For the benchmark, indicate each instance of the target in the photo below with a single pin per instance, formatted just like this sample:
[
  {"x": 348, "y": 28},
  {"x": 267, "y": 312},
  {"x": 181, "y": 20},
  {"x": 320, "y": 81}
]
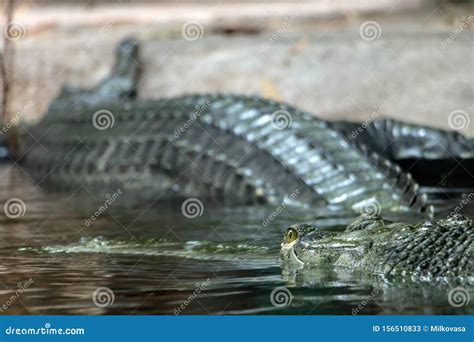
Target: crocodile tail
[{"x": 309, "y": 151}]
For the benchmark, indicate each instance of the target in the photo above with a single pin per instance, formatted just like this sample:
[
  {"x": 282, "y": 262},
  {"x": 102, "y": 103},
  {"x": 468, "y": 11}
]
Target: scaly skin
[{"x": 425, "y": 251}]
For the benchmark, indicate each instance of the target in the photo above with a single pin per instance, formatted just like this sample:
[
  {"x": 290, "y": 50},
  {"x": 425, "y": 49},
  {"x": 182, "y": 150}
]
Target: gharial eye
[{"x": 291, "y": 235}]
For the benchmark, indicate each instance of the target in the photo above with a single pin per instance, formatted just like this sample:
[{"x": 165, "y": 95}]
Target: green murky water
[{"x": 148, "y": 258}]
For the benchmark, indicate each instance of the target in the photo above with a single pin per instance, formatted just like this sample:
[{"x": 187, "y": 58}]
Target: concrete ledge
[{"x": 418, "y": 68}]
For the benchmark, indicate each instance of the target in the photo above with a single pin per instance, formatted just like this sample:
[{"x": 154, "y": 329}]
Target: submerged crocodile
[
  {"x": 426, "y": 251},
  {"x": 241, "y": 149}
]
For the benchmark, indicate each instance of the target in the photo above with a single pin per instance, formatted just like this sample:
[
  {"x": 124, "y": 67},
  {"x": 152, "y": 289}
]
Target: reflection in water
[{"x": 156, "y": 261}]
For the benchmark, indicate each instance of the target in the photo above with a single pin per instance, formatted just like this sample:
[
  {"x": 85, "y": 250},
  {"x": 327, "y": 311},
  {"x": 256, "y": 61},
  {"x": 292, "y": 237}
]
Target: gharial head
[{"x": 304, "y": 243}]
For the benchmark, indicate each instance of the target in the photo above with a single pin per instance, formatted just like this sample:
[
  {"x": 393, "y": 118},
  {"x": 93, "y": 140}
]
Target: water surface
[{"x": 148, "y": 258}]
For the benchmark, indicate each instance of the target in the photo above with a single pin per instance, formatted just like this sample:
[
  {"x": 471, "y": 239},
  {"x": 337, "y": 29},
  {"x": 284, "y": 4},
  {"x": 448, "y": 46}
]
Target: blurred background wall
[{"x": 340, "y": 59}]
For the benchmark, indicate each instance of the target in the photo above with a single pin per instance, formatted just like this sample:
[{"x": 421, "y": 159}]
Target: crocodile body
[
  {"x": 428, "y": 250},
  {"x": 234, "y": 148}
]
